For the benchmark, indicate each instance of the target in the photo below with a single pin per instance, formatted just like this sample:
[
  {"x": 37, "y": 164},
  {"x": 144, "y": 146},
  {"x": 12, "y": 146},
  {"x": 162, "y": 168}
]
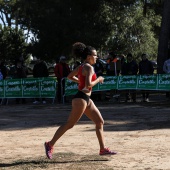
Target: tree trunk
[{"x": 164, "y": 37}]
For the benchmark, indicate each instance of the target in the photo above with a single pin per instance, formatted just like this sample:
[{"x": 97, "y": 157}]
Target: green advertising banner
[
  {"x": 13, "y": 88},
  {"x": 70, "y": 87},
  {"x": 48, "y": 87},
  {"x": 127, "y": 82},
  {"x": 148, "y": 82},
  {"x": 163, "y": 82},
  {"x": 2, "y": 88},
  {"x": 110, "y": 82},
  {"x": 31, "y": 87}
]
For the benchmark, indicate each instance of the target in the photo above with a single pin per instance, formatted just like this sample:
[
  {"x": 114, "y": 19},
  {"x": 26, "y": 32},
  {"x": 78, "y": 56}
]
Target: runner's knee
[
  {"x": 100, "y": 124},
  {"x": 69, "y": 125}
]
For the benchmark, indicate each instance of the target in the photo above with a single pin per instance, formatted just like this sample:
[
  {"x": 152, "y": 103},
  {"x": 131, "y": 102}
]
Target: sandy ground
[{"x": 140, "y": 133}]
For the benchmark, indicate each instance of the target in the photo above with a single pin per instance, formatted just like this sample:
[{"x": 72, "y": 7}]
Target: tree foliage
[
  {"x": 134, "y": 32},
  {"x": 12, "y": 44},
  {"x": 117, "y": 25}
]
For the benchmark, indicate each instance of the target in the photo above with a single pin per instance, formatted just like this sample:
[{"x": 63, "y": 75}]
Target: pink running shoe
[
  {"x": 48, "y": 150},
  {"x": 106, "y": 151}
]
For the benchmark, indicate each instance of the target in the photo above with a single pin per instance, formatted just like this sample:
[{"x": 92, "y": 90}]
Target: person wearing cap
[{"x": 61, "y": 71}]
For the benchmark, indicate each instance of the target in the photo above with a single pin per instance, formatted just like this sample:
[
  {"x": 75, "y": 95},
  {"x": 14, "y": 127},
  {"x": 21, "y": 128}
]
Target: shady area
[{"x": 139, "y": 132}]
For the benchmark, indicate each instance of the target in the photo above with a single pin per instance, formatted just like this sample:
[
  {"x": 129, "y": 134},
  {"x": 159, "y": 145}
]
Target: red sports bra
[{"x": 82, "y": 78}]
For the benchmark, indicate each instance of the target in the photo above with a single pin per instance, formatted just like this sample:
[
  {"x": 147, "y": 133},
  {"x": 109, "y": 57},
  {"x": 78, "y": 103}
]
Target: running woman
[{"x": 86, "y": 78}]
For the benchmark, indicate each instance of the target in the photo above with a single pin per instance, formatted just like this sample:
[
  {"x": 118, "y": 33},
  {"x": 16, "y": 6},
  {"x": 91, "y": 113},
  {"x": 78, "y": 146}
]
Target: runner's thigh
[
  {"x": 93, "y": 113},
  {"x": 78, "y": 108}
]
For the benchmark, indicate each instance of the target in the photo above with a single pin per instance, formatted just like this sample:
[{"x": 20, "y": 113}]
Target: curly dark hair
[
  {"x": 78, "y": 49},
  {"x": 87, "y": 51}
]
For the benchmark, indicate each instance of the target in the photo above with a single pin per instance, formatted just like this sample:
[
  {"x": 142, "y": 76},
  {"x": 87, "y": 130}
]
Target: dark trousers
[
  {"x": 145, "y": 94},
  {"x": 38, "y": 99},
  {"x": 18, "y": 100},
  {"x": 131, "y": 94},
  {"x": 60, "y": 89}
]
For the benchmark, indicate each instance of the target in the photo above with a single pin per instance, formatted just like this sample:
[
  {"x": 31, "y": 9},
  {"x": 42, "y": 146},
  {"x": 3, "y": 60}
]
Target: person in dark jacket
[
  {"x": 4, "y": 69},
  {"x": 130, "y": 68},
  {"x": 145, "y": 68},
  {"x": 61, "y": 71},
  {"x": 20, "y": 71},
  {"x": 40, "y": 70}
]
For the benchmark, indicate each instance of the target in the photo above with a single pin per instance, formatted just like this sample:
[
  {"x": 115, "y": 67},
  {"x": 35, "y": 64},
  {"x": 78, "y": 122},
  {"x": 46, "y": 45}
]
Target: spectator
[
  {"x": 166, "y": 69},
  {"x": 122, "y": 60},
  {"x": 130, "y": 68},
  {"x": 166, "y": 66},
  {"x": 113, "y": 65},
  {"x": 40, "y": 70},
  {"x": 20, "y": 71},
  {"x": 4, "y": 69},
  {"x": 98, "y": 68},
  {"x": 145, "y": 68},
  {"x": 61, "y": 71}
]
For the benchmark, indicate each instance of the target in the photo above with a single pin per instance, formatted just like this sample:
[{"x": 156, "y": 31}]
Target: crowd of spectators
[{"x": 116, "y": 65}]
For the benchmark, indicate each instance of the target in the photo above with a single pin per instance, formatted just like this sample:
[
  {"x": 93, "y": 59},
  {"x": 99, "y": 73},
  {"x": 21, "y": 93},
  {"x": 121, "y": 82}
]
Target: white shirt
[{"x": 166, "y": 66}]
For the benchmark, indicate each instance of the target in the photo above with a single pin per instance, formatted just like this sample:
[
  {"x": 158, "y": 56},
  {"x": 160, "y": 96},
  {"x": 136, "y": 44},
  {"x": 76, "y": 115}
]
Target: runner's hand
[{"x": 101, "y": 79}]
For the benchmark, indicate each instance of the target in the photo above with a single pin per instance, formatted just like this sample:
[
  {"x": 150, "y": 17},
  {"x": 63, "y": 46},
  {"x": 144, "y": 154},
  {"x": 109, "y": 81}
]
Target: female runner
[{"x": 81, "y": 103}]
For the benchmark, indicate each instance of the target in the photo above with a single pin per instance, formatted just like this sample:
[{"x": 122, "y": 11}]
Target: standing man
[
  {"x": 40, "y": 70},
  {"x": 145, "y": 68},
  {"x": 61, "y": 71},
  {"x": 130, "y": 68},
  {"x": 20, "y": 72}
]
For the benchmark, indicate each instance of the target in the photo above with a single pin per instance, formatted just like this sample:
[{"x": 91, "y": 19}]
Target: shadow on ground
[
  {"x": 130, "y": 116},
  {"x": 69, "y": 160}
]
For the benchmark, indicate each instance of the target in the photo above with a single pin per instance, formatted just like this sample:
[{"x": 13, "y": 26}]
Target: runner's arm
[{"x": 72, "y": 75}]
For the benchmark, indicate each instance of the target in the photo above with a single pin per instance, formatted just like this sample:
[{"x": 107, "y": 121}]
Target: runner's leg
[
  {"x": 78, "y": 108},
  {"x": 94, "y": 114}
]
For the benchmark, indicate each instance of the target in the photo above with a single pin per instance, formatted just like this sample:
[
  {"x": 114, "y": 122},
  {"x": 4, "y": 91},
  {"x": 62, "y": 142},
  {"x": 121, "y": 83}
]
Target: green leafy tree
[
  {"x": 134, "y": 32},
  {"x": 12, "y": 37},
  {"x": 12, "y": 44},
  {"x": 58, "y": 24}
]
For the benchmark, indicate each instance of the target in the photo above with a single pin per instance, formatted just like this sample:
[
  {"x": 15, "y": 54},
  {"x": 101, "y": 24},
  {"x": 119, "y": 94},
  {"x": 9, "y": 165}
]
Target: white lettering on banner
[
  {"x": 147, "y": 82},
  {"x": 127, "y": 82},
  {"x": 48, "y": 89},
  {"x": 110, "y": 82},
  {"x": 127, "y": 77},
  {"x": 34, "y": 88},
  {"x": 30, "y": 82},
  {"x": 146, "y": 77},
  {"x": 13, "y": 83},
  {"x": 16, "y": 88},
  {"x": 48, "y": 82},
  {"x": 71, "y": 87},
  {"x": 166, "y": 76},
  {"x": 164, "y": 82}
]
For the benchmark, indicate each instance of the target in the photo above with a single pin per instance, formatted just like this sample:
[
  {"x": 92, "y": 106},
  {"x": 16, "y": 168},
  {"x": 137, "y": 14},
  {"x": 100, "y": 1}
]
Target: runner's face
[{"x": 93, "y": 57}]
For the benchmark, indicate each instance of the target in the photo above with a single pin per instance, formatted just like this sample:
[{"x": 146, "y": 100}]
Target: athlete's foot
[
  {"x": 48, "y": 150},
  {"x": 106, "y": 151}
]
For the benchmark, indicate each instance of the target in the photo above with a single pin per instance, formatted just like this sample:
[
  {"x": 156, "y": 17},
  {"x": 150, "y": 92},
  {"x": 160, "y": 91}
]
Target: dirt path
[{"x": 139, "y": 133}]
